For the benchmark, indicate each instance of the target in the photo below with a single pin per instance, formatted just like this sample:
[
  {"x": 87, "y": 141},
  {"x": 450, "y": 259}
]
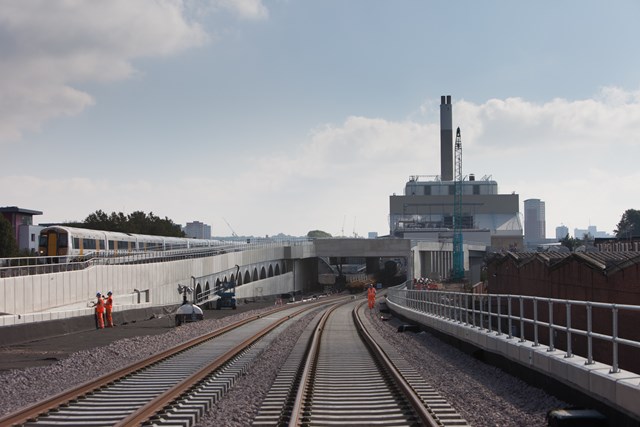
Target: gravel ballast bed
[{"x": 482, "y": 394}]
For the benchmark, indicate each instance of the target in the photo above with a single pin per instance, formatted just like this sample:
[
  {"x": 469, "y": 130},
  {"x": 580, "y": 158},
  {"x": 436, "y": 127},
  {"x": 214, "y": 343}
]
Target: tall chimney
[{"x": 446, "y": 139}]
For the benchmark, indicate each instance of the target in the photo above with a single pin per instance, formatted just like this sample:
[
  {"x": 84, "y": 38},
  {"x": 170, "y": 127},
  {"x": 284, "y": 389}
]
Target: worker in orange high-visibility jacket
[
  {"x": 108, "y": 305},
  {"x": 371, "y": 296},
  {"x": 99, "y": 311}
]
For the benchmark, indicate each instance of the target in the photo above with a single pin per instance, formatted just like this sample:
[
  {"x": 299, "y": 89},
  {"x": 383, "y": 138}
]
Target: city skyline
[{"x": 287, "y": 116}]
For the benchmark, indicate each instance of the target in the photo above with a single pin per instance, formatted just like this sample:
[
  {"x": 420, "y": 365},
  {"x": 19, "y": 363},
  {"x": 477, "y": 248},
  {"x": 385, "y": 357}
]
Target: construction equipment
[
  {"x": 458, "y": 249},
  {"x": 188, "y": 311},
  {"x": 227, "y": 293},
  {"x": 233, "y": 233}
]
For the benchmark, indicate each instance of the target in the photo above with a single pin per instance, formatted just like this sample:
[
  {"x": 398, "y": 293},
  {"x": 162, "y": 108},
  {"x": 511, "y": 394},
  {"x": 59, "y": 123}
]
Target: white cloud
[
  {"x": 345, "y": 172},
  {"x": 611, "y": 117},
  {"x": 246, "y": 9},
  {"x": 577, "y": 155},
  {"x": 48, "y": 47}
]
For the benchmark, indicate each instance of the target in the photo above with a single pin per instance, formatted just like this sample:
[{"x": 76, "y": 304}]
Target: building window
[
  {"x": 476, "y": 189},
  {"x": 33, "y": 237},
  {"x": 427, "y": 190}
]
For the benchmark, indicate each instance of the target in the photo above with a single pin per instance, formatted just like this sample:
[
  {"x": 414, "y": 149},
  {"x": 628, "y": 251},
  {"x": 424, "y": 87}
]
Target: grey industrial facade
[
  {"x": 489, "y": 219},
  {"x": 425, "y": 211}
]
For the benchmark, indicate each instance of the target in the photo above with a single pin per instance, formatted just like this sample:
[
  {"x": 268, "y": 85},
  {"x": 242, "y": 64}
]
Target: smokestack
[{"x": 446, "y": 139}]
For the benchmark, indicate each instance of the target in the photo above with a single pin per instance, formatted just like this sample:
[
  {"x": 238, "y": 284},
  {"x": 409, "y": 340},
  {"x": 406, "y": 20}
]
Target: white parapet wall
[
  {"x": 620, "y": 390},
  {"x": 50, "y": 296}
]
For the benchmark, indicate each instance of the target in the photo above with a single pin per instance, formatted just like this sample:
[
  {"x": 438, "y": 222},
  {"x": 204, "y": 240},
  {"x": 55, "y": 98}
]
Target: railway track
[
  {"x": 341, "y": 372},
  {"x": 175, "y": 387}
]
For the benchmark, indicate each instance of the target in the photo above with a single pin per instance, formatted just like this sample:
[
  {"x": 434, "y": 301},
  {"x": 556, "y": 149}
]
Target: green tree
[
  {"x": 570, "y": 242},
  {"x": 318, "y": 234},
  {"x": 136, "y": 222},
  {"x": 98, "y": 220},
  {"x": 629, "y": 225},
  {"x": 8, "y": 245}
]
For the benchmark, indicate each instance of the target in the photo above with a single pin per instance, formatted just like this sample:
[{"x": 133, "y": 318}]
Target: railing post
[
  {"x": 489, "y": 311},
  {"x": 551, "y": 347},
  {"x": 499, "y": 317},
  {"x": 521, "y": 319},
  {"x": 568, "y": 329},
  {"x": 432, "y": 307},
  {"x": 589, "y": 336},
  {"x": 466, "y": 308},
  {"x": 536, "y": 343},
  {"x": 473, "y": 310},
  {"x": 614, "y": 337},
  {"x": 509, "y": 317}
]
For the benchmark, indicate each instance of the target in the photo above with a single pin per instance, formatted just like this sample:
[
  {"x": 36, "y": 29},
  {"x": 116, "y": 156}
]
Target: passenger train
[{"x": 72, "y": 242}]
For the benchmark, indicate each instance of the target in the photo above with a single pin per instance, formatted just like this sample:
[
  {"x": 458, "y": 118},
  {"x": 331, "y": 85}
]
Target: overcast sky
[{"x": 294, "y": 115}]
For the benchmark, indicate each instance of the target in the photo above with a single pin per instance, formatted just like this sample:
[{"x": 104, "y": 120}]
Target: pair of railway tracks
[
  {"x": 348, "y": 375},
  {"x": 175, "y": 386},
  {"x": 339, "y": 372}
]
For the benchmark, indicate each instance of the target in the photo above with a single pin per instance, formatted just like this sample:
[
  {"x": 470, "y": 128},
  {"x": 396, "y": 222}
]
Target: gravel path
[{"x": 484, "y": 395}]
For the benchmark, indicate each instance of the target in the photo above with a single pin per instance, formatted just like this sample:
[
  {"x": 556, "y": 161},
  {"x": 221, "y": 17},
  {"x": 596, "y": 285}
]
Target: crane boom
[
  {"x": 458, "y": 249},
  {"x": 233, "y": 233}
]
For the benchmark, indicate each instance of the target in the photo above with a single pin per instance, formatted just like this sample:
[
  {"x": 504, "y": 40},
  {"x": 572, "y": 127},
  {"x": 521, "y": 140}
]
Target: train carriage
[
  {"x": 121, "y": 243},
  {"x": 59, "y": 241},
  {"x": 70, "y": 242}
]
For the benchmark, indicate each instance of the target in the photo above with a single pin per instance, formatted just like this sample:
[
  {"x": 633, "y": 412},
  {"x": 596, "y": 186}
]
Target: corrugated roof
[{"x": 607, "y": 262}]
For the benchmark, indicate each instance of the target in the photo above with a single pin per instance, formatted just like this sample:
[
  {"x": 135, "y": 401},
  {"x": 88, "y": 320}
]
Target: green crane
[{"x": 458, "y": 250}]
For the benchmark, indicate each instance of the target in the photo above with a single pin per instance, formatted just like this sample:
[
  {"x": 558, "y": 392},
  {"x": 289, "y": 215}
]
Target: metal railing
[{"x": 592, "y": 330}]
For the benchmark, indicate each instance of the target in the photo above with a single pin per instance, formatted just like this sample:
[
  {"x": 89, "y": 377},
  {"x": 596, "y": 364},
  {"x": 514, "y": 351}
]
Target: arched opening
[
  {"x": 263, "y": 273},
  {"x": 277, "y": 272},
  {"x": 233, "y": 279},
  {"x": 206, "y": 289},
  {"x": 270, "y": 273},
  {"x": 255, "y": 274},
  {"x": 198, "y": 292},
  {"x": 239, "y": 279},
  {"x": 217, "y": 284},
  {"x": 247, "y": 277}
]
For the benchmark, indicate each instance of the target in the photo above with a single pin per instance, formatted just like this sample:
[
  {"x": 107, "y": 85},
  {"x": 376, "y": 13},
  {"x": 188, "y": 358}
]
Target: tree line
[{"x": 136, "y": 222}]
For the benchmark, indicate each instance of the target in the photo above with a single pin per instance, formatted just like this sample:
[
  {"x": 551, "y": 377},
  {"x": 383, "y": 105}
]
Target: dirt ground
[{"x": 48, "y": 350}]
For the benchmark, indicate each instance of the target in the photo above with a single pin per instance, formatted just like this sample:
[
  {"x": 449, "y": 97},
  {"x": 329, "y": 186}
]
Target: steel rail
[
  {"x": 296, "y": 411},
  {"x": 144, "y": 413},
  {"x": 31, "y": 412},
  {"x": 425, "y": 415},
  {"x": 298, "y": 416}
]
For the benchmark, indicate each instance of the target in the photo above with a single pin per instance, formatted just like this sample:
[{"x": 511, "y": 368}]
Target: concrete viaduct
[{"x": 31, "y": 294}]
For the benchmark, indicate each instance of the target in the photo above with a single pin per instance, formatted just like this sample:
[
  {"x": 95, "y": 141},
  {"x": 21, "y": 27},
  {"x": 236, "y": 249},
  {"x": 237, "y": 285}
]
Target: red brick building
[{"x": 607, "y": 277}]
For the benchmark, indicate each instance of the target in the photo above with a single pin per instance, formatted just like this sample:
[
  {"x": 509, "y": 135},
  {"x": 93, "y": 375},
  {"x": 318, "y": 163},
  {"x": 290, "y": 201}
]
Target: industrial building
[
  {"x": 197, "y": 230},
  {"x": 427, "y": 209},
  {"x": 534, "y": 221},
  {"x": 25, "y": 233}
]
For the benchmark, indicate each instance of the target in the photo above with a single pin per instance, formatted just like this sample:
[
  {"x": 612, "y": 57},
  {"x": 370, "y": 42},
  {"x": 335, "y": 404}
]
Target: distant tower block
[{"x": 446, "y": 139}]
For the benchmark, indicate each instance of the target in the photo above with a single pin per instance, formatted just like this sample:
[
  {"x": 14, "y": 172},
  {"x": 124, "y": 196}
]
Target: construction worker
[
  {"x": 109, "y": 308},
  {"x": 371, "y": 296},
  {"x": 99, "y": 313}
]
